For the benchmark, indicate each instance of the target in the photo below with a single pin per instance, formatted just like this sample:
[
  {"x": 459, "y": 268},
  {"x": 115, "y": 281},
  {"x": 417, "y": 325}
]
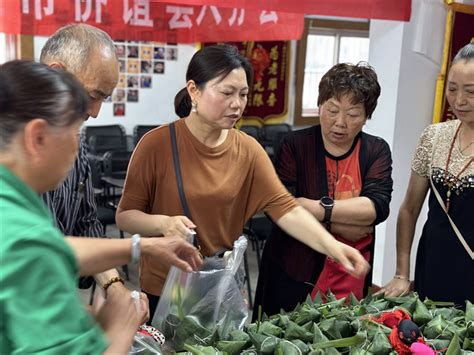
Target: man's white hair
[{"x": 73, "y": 45}]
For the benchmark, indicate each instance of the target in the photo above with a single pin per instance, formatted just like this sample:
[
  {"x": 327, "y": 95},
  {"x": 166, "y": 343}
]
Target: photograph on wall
[
  {"x": 119, "y": 95},
  {"x": 132, "y": 81},
  {"x": 133, "y": 66},
  {"x": 132, "y": 51},
  {"x": 171, "y": 53},
  {"x": 159, "y": 53},
  {"x": 146, "y": 67},
  {"x": 159, "y": 67},
  {"x": 145, "y": 81},
  {"x": 122, "y": 82},
  {"x": 146, "y": 52},
  {"x": 120, "y": 50},
  {"x": 119, "y": 109},
  {"x": 132, "y": 96},
  {"x": 122, "y": 65}
]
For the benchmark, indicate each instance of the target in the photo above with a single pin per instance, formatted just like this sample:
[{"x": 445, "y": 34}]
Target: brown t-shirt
[{"x": 224, "y": 186}]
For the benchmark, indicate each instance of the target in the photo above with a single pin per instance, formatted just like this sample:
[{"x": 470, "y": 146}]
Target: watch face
[{"x": 327, "y": 201}]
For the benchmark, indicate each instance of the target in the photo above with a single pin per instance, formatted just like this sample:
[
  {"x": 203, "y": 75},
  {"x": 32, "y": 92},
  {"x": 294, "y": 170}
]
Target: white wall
[
  {"x": 407, "y": 59},
  {"x": 155, "y": 105}
]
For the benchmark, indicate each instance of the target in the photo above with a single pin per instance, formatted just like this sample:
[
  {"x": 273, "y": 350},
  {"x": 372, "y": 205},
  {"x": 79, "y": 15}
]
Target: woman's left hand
[{"x": 351, "y": 259}]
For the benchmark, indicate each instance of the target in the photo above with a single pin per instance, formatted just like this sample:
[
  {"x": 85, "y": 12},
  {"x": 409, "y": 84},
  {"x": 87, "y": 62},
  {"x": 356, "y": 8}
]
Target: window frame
[{"x": 320, "y": 26}]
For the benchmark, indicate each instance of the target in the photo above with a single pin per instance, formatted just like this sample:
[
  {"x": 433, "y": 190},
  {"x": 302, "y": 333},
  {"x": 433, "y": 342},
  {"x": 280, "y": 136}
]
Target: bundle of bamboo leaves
[{"x": 337, "y": 326}]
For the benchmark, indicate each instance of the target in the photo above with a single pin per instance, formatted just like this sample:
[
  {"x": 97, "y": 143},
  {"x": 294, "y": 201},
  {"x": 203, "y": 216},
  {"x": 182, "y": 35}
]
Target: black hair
[
  {"x": 30, "y": 90},
  {"x": 359, "y": 80},
  {"x": 207, "y": 64}
]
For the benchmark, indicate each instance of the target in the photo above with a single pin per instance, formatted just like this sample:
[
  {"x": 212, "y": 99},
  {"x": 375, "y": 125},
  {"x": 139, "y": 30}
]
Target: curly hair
[{"x": 359, "y": 81}]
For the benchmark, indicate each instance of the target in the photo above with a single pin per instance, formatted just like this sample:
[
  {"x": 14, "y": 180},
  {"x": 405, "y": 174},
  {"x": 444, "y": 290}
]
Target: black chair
[
  {"x": 140, "y": 130},
  {"x": 101, "y": 144},
  {"x": 116, "y": 163},
  {"x": 253, "y": 131},
  {"x": 272, "y": 135},
  {"x": 108, "y": 130}
]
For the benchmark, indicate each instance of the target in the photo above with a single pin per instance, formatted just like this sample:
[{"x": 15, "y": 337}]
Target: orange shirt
[{"x": 224, "y": 186}]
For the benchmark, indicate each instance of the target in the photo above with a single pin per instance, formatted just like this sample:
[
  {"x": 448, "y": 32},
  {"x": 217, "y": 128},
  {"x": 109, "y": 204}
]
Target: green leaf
[
  {"x": 380, "y": 344},
  {"x": 454, "y": 348},
  {"x": 341, "y": 343},
  {"x": 264, "y": 343},
  {"x": 330, "y": 297},
  {"x": 286, "y": 347},
  {"x": 318, "y": 300},
  {"x": 421, "y": 315},
  {"x": 438, "y": 344},
  {"x": 327, "y": 351},
  {"x": 353, "y": 300},
  {"x": 329, "y": 327},
  {"x": 307, "y": 314},
  {"x": 202, "y": 350},
  {"x": 468, "y": 344},
  {"x": 231, "y": 347},
  {"x": 301, "y": 345},
  {"x": 294, "y": 331},
  {"x": 239, "y": 335},
  {"x": 469, "y": 312},
  {"x": 438, "y": 328},
  {"x": 268, "y": 328},
  {"x": 318, "y": 335}
]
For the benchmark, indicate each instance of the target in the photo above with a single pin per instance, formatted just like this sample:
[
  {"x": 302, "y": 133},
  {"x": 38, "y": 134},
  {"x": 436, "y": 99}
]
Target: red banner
[
  {"x": 145, "y": 20},
  {"x": 372, "y": 9},
  {"x": 268, "y": 98}
]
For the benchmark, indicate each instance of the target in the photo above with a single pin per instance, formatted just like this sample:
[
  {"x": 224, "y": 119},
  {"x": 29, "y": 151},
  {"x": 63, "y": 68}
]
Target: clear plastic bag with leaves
[{"x": 201, "y": 307}]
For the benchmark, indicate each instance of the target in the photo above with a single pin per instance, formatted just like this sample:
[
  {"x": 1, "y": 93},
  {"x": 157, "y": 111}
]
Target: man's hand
[
  {"x": 172, "y": 251},
  {"x": 177, "y": 226}
]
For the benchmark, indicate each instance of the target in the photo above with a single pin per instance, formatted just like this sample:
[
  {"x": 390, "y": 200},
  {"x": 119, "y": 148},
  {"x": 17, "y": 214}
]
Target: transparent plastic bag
[
  {"x": 197, "y": 307},
  {"x": 147, "y": 341}
]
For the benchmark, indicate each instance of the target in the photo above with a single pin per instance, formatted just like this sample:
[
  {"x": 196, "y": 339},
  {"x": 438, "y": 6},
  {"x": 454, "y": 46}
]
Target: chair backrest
[
  {"x": 253, "y": 131},
  {"x": 272, "y": 130},
  {"x": 100, "y": 144},
  {"x": 116, "y": 163},
  {"x": 108, "y": 130},
  {"x": 140, "y": 130}
]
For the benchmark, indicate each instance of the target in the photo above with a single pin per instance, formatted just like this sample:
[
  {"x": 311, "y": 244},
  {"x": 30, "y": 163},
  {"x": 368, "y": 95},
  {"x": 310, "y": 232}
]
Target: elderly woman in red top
[{"x": 343, "y": 177}]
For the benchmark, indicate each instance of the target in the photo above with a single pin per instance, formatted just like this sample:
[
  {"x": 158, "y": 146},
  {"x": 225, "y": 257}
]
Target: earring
[{"x": 194, "y": 106}]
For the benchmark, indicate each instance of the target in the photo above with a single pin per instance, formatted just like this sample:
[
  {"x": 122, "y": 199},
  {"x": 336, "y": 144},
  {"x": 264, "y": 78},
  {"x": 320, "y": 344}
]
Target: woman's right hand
[
  {"x": 120, "y": 318},
  {"x": 177, "y": 226},
  {"x": 350, "y": 258},
  {"x": 396, "y": 287}
]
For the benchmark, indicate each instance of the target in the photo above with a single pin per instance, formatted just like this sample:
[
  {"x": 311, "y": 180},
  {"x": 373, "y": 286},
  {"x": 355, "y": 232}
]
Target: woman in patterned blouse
[{"x": 444, "y": 164}]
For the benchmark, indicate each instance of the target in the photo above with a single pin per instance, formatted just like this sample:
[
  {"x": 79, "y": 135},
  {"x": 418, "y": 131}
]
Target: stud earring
[{"x": 194, "y": 106}]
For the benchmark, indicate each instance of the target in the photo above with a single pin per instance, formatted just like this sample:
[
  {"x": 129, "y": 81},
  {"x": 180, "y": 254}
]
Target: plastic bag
[
  {"x": 147, "y": 341},
  {"x": 197, "y": 307}
]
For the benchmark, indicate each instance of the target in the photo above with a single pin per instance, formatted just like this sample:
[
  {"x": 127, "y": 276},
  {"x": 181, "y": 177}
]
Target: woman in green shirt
[{"x": 41, "y": 111}]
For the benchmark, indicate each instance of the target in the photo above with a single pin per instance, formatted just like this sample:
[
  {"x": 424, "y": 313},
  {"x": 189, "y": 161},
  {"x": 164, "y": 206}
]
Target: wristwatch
[{"x": 327, "y": 203}]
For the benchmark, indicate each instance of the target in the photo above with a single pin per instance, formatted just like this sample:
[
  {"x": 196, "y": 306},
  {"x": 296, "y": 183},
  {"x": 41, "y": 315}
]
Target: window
[{"x": 325, "y": 43}]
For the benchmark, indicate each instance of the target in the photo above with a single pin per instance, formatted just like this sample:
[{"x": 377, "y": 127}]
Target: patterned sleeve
[{"x": 422, "y": 158}]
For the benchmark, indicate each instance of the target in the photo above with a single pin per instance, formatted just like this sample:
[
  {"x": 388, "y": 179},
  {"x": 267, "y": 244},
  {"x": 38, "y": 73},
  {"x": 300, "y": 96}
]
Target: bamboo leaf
[
  {"x": 357, "y": 339},
  {"x": 454, "y": 348},
  {"x": 421, "y": 315}
]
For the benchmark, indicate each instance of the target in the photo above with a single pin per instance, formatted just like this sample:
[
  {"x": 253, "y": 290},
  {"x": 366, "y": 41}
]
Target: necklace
[{"x": 452, "y": 181}]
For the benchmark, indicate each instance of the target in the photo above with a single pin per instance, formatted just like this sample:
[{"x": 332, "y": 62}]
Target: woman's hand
[
  {"x": 120, "y": 318},
  {"x": 396, "y": 287},
  {"x": 351, "y": 259},
  {"x": 172, "y": 251},
  {"x": 177, "y": 226}
]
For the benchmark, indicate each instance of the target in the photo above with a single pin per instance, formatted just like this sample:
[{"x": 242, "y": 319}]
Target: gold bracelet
[
  {"x": 113, "y": 280},
  {"x": 401, "y": 277}
]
